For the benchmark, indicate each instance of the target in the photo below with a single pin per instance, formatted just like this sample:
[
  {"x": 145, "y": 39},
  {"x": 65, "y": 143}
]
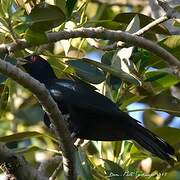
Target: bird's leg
[
  {"x": 66, "y": 117},
  {"x": 52, "y": 128},
  {"x": 76, "y": 141}
]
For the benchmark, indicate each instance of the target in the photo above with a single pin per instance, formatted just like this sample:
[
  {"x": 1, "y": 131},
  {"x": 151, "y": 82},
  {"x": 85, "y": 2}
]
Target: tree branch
[
  {"x": 50, "y": 164},
  {"x": 16, "y": 167},
  {"x": 122, "y": 3},
  {"x": 52, "y": 110},
  {"x": 100, "y": 33},
  {"x": 138, "y": 33}
]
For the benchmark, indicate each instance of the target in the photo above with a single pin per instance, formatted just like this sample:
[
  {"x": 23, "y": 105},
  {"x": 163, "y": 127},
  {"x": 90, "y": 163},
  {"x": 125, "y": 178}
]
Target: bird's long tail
[{"x": 152, "y": 143}]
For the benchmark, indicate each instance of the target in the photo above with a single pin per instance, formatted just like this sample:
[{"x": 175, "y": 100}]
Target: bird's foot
[
  {"x": 52, "y": 127},
  {"x": 66, "y": 117},
  {"x": 76, "y": 141}
]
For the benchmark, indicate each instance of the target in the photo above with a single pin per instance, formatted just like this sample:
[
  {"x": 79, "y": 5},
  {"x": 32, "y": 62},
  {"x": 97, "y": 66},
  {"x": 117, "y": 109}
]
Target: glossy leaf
[
  {"x": 161, "y": 80},
  {"x": 36, "y": 115},
  {"x": 45, "y": 18},
  {"x": 168, "y": 133},
  {"x": 129, "y": 98},
  {"x": 82, "y": 166},
  {"x": 171, "y": 44},
  {"x": 70, "y": 6},
  {"x": 113, "y": 59},
  {"x": 134, "y": 25},
  {"x": 5, "y": 7},
  {"x": 144, "y": 20},
  {"x": 107, "y": 57},
  {"x": 24, "y": 135},
  {"x": 118, "y": 73},
  {"x": 58, "y": 66},
  {"x": 4, "y": 99},
  {"x": 164, "y": 102},
  {"x": 87, "y": 71},
  {"x": 35, "y": 37},
  {"x": 61, "y": 4}
]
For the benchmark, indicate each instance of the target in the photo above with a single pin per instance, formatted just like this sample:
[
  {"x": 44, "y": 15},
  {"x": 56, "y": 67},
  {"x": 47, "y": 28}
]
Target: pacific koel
[{"x": 91, "y": 115}]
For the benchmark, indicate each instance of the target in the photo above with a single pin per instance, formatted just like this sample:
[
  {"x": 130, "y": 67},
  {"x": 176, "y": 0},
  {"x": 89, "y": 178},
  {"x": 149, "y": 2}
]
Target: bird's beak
[{"x": 21, "y": 62}]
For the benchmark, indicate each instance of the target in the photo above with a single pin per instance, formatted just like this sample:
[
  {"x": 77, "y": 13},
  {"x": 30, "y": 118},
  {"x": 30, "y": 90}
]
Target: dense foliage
[{"x": 126, "y": 75}]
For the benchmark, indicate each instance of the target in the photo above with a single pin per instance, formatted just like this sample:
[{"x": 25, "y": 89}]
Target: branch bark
[
  {"x": 52, "y": 110},
  {"x": 50, "y": 164},
  {"x": 16, "y": 167},
  {"x": 100, "y": 33}
]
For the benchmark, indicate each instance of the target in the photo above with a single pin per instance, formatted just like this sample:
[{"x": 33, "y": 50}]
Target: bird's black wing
[{"x": 75, "y": 94}]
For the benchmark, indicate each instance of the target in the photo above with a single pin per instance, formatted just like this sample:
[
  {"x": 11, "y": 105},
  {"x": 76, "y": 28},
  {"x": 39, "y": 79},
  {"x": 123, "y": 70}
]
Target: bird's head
[{"x": 37, "y": 67}]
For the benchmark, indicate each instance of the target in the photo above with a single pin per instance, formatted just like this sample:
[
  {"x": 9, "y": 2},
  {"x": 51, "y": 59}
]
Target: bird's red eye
[{"x": 33, "y": 59}]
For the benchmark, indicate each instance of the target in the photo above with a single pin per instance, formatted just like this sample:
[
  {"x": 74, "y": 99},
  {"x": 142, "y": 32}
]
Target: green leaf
[
  {"x": 82, "y": 166},
  {"x": 87, "y": 71},
  {"x": 161, "y": 80},
  {"x": 20, "y": 28},
  {"x": 106, "y": 65},
  {"x": 129, "y": 98},
  {"x": 70, "y": 6},
  {"x": 61, "y": 4},
  {"x": 35, "y": 37},
  {"x": 19, "y": 136},
  {"x": 57, "y": 65},
  {"x": 4, "y": 99},
  {"x": 116, "y": 148},
  {"x": 118, "y": 73},
  {"x": 107, "y": 57},
  {"x": 36, "y": 114},
  {"x": 28, "y": 149},
  {"x": 164, "y": 102},
  {"x": 45, "y": 18},
  {"x": 8, "y": 59},
  {"x": 5, "y": 7},
  {"x": 144, "y": 20},
  {"x": 134, "y": 25},
  {"x": 169, "y": 134},
  {"x": 24, "y": 135},
  {"x": 171, "y": 44}
]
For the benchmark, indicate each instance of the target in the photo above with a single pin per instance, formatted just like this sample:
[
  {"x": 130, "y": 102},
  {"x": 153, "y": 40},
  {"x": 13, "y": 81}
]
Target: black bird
[{"x": 91, "y": 115}]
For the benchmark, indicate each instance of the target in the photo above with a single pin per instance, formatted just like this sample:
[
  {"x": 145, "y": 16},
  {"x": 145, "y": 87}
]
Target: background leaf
[
  {"x": 45, "y": 18},
  {"x": 70, "y": 6},
  {"x": 87, "y": 71}
]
